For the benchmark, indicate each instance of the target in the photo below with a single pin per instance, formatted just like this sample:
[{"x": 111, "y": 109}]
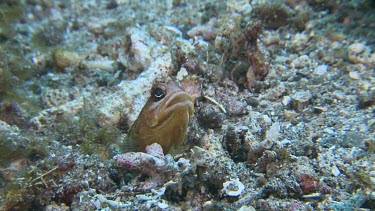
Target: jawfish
[{"x": 164, "y": 118}]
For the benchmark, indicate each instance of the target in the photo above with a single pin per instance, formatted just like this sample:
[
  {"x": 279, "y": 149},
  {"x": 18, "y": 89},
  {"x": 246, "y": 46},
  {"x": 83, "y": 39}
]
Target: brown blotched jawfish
[{"x": 164, "y": 118}]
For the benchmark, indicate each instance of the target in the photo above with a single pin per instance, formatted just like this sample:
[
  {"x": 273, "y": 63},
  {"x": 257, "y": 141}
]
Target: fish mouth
[{"x": 175, "y": 101}]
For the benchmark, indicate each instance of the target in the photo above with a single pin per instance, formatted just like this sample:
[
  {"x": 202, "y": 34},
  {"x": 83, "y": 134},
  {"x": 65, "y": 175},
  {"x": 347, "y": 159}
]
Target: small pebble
[
  {"x": 321, "y": 70},
  {"x": 286, "y": 100},
  {"x": 236, "y": 107},
  {"x": 301, "y": 100},
  {"x": 335, "y": 171},
  {"x": 355, "y": 75},
  {"x": 289, "y": 115},
  {"x": 181, "y": 74},
  {"x": 252, "y": 102},
  {"x": 319, "y": 110},
  {"x": 301, "y": 62},
  {"x": 366, "y": 100},
  {"x": 209, "y": 118},
  {"x": 329, "y": 131},
  {"x": 162, "y": 205},
  {"x": 357, "y": 48}
]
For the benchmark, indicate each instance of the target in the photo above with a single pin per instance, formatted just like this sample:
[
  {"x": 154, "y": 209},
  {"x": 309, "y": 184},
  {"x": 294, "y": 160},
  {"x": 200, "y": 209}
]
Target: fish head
[{"x": 165, "y": 116}]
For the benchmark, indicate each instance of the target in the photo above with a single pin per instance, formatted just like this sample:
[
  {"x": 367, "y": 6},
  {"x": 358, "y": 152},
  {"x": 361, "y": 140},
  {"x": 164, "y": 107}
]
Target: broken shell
[
  {"x": 319, "y": 110},
  {"x": 335, "y": 171},
  {"x": 233, "y": 188},
  {"x": 312, "y": 196},
  {"x": 290, "y": 114}
]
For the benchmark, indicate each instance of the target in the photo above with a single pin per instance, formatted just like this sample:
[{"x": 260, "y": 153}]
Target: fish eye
[{"x": 159, "y": 92}]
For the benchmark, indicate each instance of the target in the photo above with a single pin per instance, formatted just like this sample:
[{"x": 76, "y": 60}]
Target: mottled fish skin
[{"x": 164, "y": 118}]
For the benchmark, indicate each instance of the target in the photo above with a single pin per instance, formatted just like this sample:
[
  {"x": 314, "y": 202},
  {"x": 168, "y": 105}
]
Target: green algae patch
[{"x": 10, "y": 11}]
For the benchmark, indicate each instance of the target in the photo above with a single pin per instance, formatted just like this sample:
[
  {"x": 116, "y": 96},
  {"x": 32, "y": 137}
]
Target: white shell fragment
[
  {"x": 335, "y": 171},
  {"x": 355, "y": 75},
  {"x": 312, "y": 196},
  {"x": 181, "y": 74},
  {"x": 162, "y": 205},
  {"x": 233, "y": 188},
  {"x": 321, "y": 69},
  {"x": 274, "y": 132}
]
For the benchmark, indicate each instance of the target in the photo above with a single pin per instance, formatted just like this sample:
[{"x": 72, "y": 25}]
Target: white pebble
[
  {"x": 181, "y": 74},
  {"x": 321, "y": 69},
  {"x": 335, "y": 171},
  {"x": 286, "y": 100},
  {"x": 162, "y": 205},
  {"x": 355, "y": 75},
  {"x": 357, "y": 48},
  {"x": 329, "y": 131},
  {"x": 274, "y": 132}
]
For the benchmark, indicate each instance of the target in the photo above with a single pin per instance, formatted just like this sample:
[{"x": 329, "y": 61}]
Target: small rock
[
  {"x": 276, "y": 91},
  {"x": 355, "y": 75},
  {"x": 321, "y": 70},
  {"x": 335, "y": 171},
  {"x": 236, "y": 107},
  {"x": 63, "y": 58},
  {"x": 366, "y": 100},
  {"x": 299, "y": 42},
  {"x": 162, "y": 205},
  {"x": 286, "y": 100},
  {"x": 234, "y": 145},
  {"x": 353, "y": 139},
  {"x": 5, "y": 126},
  {"x": 301, "y": 62},
  {"x": 319, "y": 110},
  {"x": 106, "y": 65},
  {"x": 274, "y": 132},
  {"x": 181, "y": 74},
  {"x": 360, "y": 53},
  {"x": 192, "y": 85},
  {"x": 329, "y": 131},
  {"x": 271, "y": 40},
  {"x": 252, "y": 102},
  {"x": 210, "y": 118},
  {"x": 289, "y": 115},
  {"x": 357, "y": 48},
  {"x": 340, "y": 95},
  {"x": 301, "y": 99}
]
